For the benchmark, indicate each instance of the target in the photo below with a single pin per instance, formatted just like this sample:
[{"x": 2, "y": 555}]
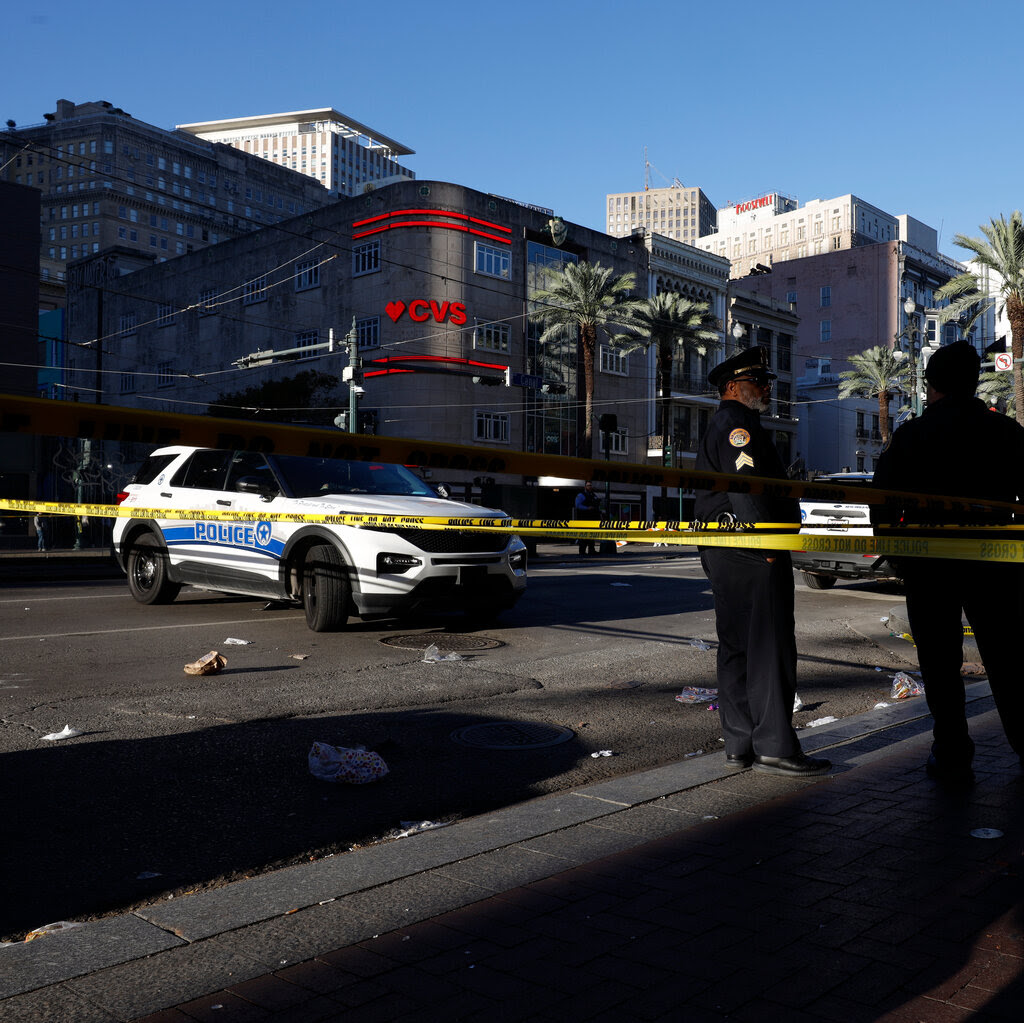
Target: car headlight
[
  {"x": 517, "y": 559},
  {"x": 396, "y": 564}
]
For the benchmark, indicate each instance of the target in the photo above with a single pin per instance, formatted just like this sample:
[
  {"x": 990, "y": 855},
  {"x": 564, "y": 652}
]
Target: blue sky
[{"x": 909, "y": 105}]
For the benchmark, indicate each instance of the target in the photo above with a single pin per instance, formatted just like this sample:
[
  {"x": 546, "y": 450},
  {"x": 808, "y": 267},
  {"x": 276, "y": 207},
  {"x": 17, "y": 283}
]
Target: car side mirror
[{"x": 255, "y": 485}]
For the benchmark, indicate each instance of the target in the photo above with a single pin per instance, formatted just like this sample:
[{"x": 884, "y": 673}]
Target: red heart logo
[{"x": 394, "y": 310}]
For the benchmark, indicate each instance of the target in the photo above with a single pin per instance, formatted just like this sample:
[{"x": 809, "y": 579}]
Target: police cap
[
  {"x": 954, "y": 369},
  {"x": 750, "y": 362}
]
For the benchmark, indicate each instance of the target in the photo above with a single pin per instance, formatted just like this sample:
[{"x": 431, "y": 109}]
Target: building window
[
  {"x": 307, "y": 339},
  {"x": 618, "y": 440},
  {"x": 826, "y": 296},
  {"x": 614, "y": 360},
  {"x": 207, "y": 302},
  {"x": 164, "y": 314},
  {"x": 366, "y": 258},
  {"x": 165, "y": 374},
  {"x": 492, "y": 426},
  {"x": 493, "y": 261},
  {"x": 368, "y": 332},
  {"x": 127, "y": 383},
  {"x": 492, "y": 337},
  {"x": 825, "y": 331},
  {"x": 254, "y": 290},
  {"x": 128, "y": 323},
  {"x": 307, "y": 275}
]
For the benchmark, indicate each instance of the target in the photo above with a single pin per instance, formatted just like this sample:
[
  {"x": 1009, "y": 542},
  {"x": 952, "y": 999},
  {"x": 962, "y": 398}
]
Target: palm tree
[
  {"x": 580, "y": 299},
  {"x": 1002, "y": 252},
  {"x": 997, "y": 388},
  {"x": 671, "y": 323},
  {"x": 876, "y": 372}
]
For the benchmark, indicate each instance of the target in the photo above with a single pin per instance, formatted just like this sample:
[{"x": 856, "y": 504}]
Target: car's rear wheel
[
  {"x": 325, "y": 589},
  {"x": 149, "y": 581},
  {"x": 819, "y": 582}
]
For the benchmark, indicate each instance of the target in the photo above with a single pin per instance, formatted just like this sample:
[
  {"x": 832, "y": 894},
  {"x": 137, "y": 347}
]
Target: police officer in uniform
[{"x": 753, "y": 590}]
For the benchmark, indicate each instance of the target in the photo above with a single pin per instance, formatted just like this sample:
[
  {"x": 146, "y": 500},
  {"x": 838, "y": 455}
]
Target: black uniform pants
[
  {"x": 756, "y": 649},
  {"x": 938, "y": 592}
]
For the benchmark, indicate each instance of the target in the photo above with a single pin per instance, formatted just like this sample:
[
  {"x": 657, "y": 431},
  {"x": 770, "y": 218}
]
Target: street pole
[{"x": 353, "y": 374}]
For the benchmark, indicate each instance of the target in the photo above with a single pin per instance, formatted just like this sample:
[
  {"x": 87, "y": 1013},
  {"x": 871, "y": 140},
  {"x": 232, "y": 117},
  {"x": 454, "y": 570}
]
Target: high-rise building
[
  {"x": 108, "y": 179},
  {"x": 682, "y": 212},
  {"x": 332, "y": 148},
  {"x": 774, "y": 228}
]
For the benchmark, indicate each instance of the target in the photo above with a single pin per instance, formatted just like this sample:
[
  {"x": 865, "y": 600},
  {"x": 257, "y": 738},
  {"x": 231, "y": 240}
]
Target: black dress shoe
[
  {"x": 800, "y": 765},
  {"x": 738, "y": 761}
]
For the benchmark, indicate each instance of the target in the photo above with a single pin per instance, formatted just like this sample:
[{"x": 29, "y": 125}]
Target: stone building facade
[{"x": 437, "y": 279}]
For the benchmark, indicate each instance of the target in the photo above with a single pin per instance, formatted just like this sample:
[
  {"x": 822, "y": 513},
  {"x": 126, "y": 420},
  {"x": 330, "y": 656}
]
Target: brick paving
[{"x": 863, "y": 897}]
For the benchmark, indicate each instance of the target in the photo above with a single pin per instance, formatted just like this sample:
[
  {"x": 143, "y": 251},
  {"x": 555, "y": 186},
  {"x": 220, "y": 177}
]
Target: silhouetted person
[{"x": 959, "y": 448}]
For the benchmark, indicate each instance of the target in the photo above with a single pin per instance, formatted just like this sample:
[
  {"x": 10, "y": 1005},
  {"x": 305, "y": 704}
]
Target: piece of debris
[
  {"x": 60, "y": 925},
  {"x": 700, "y": 644},
  {"x": 341, "y": 764},
  {"x": 903, "y": 686},
  {"x": 231, "y": 641},
  {"x": 407, "y": 828},
  {"x": 694, "y": 694},
  {"x": 821, "y": 721},
  {"x": 798, "y": 704},
  {"x": 67, "y": 732},
  {"x": 299, "y": 657},
  {"x": 208, "y": 664},
  {"x": 602, "y": 753},
  {"x": 432, "y": 654}
]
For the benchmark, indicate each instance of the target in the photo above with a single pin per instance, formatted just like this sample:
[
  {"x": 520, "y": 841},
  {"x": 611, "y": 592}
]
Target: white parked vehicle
[
  {"x": 824, "y": 518},
  {"x": 334, "y": 570}
]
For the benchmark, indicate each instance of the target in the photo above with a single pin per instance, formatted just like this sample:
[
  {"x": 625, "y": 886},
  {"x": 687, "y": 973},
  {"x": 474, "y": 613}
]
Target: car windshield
[{"x": 318, "y": 477}]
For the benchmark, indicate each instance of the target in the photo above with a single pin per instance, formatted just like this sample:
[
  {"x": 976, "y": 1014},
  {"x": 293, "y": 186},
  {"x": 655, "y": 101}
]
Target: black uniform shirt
[
  {"x": 736, "y": 442},
  {"x": 958, "y": 448}
]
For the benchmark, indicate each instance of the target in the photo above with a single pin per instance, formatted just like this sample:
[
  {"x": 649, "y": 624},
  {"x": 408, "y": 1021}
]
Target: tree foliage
[
  {"x": 671, "y": 324},
  {"x": 1000, "y": 251},
  {"x": 579, "y": 301},
  {"x": 877, "y": 373}
]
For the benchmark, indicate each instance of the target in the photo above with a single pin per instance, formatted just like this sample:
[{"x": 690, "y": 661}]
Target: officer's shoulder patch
[{"x": 739, "y": 438}]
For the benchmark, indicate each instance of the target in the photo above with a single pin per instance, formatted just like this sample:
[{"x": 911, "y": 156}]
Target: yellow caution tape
[
  {"x": 992, "y": 543},
  {"x": 120, "y": 424}
]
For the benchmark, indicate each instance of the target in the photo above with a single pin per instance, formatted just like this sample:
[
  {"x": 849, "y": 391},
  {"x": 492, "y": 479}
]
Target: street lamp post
[{"x": 911, "y": 335}]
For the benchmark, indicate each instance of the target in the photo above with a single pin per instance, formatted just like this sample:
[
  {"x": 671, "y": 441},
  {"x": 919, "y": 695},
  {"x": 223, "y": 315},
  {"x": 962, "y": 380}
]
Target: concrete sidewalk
[{"x": 682, "y": 893}]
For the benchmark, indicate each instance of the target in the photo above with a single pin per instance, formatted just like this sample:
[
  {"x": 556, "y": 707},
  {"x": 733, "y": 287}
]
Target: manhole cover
[
  {"x": 511, "y": 735},
  {"x": 446, "y": 642}
]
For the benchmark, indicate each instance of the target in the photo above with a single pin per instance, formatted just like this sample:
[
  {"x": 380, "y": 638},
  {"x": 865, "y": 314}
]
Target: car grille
[{"x": 449, "y": 541}]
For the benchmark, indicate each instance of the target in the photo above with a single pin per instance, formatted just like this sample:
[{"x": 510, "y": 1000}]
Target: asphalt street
[{"x": 179, "y": 783}]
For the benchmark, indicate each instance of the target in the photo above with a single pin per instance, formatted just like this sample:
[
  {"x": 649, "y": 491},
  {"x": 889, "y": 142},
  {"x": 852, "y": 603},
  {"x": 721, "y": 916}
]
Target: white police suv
[{"x": 334, "y": 570}]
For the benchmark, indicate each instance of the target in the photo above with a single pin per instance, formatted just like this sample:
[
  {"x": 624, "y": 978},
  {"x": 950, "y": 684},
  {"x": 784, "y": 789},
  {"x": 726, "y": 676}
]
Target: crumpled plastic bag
[
  {"x": 340, "y": 764},
  {"x": 904, "y": 686},
  {"x": 208, "y": 664},
  {"x": 694, "y": 694},
  {"x": 432, "y": 654},
  {"x": 67, "y": 732}
]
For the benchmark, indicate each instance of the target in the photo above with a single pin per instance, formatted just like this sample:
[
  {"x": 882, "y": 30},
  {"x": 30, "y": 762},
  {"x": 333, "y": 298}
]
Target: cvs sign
[{"x": 420, "y": 310}]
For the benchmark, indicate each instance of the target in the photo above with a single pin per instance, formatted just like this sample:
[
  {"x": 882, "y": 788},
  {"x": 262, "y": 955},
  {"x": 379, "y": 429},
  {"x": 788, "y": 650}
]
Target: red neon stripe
[
  {"x": 436, "y": 213},
  {"x": 436, "y": 358},
  {"x": 431, "y": 223},
  {"x": 487, "y": 223},
  {"x": 386, "y": 372}
]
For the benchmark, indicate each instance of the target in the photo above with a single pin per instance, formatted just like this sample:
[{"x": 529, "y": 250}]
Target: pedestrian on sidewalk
[
  {"x": 959, "y": 448},
  {"x": 40, "y": 525},
  {"x": 753, "y": 591},
  {"x": 587, "y": 506}
]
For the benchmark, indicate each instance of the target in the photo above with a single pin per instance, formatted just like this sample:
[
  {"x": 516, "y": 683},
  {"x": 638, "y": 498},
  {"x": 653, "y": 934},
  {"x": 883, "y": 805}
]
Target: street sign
[
  {"x": 1004, "y": 361},
  {"x": 527, "y": 380}
]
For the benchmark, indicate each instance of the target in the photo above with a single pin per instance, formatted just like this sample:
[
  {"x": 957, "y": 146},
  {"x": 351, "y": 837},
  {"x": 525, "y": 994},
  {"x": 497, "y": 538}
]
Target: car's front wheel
[
  {"x": 325, "y": 589},
  {"x": 819, "y": 582},
  {"x": 149, "y": 581}
]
